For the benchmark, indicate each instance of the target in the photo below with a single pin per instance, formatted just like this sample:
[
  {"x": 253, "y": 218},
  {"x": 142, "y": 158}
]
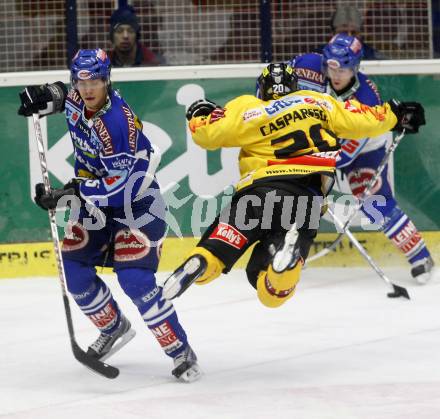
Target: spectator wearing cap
[
  {"x": 348, "y": 19},
  {"x": 124, "y": 35}
]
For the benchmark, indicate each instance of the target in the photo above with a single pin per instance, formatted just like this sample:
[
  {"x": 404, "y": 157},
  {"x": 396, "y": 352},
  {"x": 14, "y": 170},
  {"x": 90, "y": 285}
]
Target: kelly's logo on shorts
[{"x": 229, "y": 235}]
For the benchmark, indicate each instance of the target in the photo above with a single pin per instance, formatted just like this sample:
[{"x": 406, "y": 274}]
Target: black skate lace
[
  {"x": 186, "y": 356},
  {"x": 100, "y": 343}
]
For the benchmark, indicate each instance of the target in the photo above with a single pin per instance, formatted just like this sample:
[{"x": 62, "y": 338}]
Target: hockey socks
[
  {"x": 97, "y": 303},
  {"x": 277, "y": 285},
  {"x": 274, "y": 289},
  {"x": 201, "y": 267},
  {"x": 405, "y": 236}
]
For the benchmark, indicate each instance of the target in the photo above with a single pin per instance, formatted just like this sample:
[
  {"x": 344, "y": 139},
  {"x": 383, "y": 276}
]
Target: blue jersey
[
  {"x": 308, "y": 67},
  {"x": 110, "y": 150}
]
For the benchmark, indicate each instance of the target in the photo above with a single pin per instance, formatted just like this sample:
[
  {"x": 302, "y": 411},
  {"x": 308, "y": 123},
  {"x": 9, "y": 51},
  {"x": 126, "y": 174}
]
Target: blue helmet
[
  {"x": 89, "y": 64},
  {"x": 343, "y": 51}
]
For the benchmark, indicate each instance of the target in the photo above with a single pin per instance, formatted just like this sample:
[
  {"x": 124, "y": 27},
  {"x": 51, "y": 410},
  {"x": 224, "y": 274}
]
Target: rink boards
[
  {"x": 196, "y": 192},
  {"x": 37, "y": 259}
]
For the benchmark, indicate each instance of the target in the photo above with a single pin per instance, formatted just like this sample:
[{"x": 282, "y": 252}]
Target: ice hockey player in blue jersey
[
  {"x": 123, "y": 224},
  {"x": 336, "y": 72}
]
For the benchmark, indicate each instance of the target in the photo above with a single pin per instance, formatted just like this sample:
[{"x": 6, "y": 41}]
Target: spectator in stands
[
  {"x": 124, "y": 35},
  {"x": 348, "y": 19}
]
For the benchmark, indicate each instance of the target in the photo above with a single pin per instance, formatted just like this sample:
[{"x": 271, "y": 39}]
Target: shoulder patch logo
[{"x": 252, "y": 114}]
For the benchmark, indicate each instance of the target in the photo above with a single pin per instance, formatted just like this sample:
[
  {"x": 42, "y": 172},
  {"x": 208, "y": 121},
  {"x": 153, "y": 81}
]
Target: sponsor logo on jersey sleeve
[
  {"x": 216, "y": 114},
  {"x": 377, "y": 112},
  {"x": 72, "y": 114},
  {"x": 252, "y": 114}
]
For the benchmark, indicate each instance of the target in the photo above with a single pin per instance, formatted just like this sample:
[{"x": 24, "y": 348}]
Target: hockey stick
[
  {"x": 361, "y": 199},
  {"x": 398, "y": 291},
  {"x": 92, "y": 363}
]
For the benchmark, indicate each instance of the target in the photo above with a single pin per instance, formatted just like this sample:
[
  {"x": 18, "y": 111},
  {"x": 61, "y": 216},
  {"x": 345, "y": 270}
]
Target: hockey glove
[
  {"x": 201, "y": 107},
  {"x": 49, "y": 201},
  {"x": 44, "y": 100},
  {"x": 410, "y": 115}
]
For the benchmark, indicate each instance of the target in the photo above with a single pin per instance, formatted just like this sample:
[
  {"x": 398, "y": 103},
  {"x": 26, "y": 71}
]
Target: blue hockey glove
[
  {"x": 410, "y": 115},
  {"x": 201, "y": 107},
  {"x": 44, "y": 100},
  {"x": 49, "y": 201}
]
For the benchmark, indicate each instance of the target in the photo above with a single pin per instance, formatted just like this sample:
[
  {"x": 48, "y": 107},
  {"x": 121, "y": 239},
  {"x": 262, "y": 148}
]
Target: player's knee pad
[
  {"x": 274, "y": 289},
  {"x": 140, "y": 285},
  {"x": 79, "y": 277},
  {"x": 214, "y": 266}
]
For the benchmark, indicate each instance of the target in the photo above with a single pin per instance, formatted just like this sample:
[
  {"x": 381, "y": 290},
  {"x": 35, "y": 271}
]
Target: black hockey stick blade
[
  {"x": 94, "y": 364},
  {"x": 398, "y": 292}
]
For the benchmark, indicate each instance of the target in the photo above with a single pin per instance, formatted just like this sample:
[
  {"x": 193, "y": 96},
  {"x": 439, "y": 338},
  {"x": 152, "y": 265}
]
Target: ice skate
[
  {"x": 421, "y": 270},
  {"x": 288, "y": 255},
  {"x": 106, "y": 345},
  {"x": 185, "y": 366},
  {"x": 184, "y": 276}
]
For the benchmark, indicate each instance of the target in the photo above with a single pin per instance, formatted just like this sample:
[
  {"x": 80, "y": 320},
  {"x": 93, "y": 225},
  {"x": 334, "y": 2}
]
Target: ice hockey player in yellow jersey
[{"x": 288, "y": 141}]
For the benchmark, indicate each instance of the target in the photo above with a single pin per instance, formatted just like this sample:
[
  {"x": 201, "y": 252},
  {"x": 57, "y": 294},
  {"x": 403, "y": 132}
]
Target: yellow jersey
[{"x": 294, "y": 136}]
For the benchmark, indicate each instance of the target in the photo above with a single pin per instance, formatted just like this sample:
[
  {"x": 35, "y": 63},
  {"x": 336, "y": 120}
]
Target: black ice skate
[
  {"x": 186, "y": 367},
  {"x": 184, "y": 276},
  {"x": 288, "y": 256},
  {"x": 422, "y": 270},
  {"x": 106, "y": 345}
]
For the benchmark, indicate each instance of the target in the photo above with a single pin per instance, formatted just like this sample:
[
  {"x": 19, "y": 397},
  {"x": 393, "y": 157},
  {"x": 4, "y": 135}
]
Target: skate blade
[
  {"x": 283, "y": 257},
  {"x": 175, "y": 284},
  {"x": 122, "y": 341},
  {"x": 424, "y": 278},
  {"x": 192, "y": 374}
]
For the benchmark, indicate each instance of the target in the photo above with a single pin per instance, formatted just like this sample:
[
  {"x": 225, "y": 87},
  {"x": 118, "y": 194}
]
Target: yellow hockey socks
[
  {"x": 274, "y": 289},
  {"x": 214, "y": 266}
]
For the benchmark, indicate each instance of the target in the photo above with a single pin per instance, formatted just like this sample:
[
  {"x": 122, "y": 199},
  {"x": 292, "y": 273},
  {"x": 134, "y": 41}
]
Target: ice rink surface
[{"x": 339, "y": 349}]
